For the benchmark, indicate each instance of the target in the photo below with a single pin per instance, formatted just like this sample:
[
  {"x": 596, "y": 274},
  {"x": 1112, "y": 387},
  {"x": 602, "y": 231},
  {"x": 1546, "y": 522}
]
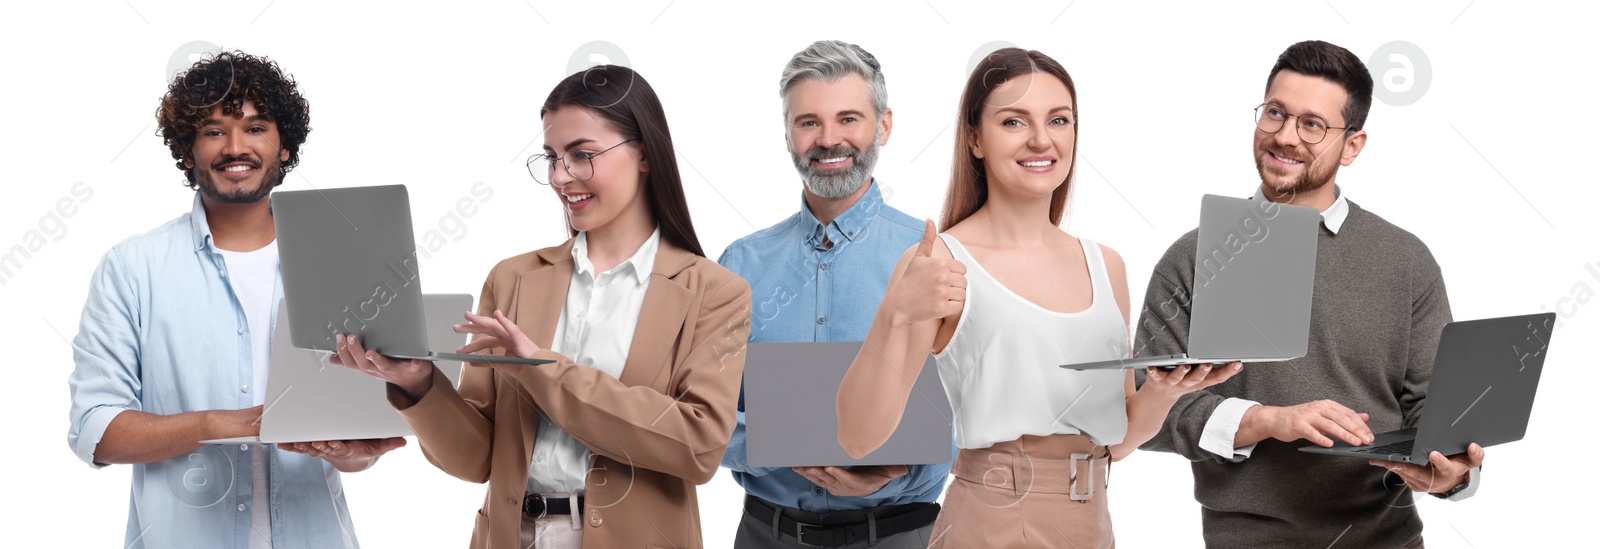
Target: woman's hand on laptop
[
  {"x": 497, "y": 332},
  {"x": 348, "y": 456},
  {"x": 414, "y": 377},
  {"x": 1187, "y": 378}
]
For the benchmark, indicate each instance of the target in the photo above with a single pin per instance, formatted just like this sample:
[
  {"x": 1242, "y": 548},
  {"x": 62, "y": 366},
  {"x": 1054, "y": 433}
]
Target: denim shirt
[
  {"x": 163, "y": 333},
  {"x": 802, "y": 292}
]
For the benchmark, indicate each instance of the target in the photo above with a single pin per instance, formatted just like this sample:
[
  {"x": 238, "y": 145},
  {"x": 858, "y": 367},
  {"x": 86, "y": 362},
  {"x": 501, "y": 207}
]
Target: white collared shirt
[
  {"x": 595, "y": 329},
  {"x": 1333, "y": 217}
]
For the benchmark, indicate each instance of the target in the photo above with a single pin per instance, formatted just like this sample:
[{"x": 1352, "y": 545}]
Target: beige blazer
[{"x": 655, "y": 432}]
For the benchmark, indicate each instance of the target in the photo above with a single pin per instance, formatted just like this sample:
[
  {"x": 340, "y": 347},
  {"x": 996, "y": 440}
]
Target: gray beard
[{"x": 836, "y": 186}]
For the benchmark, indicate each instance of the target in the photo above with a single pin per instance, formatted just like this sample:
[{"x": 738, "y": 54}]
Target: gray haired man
[{"x": 818, "y": 276}]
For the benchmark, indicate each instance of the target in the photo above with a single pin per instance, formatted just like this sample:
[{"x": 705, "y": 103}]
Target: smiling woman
[
  {"x": 1036, "y": 296},
  {"x": 603, "y": 446}
]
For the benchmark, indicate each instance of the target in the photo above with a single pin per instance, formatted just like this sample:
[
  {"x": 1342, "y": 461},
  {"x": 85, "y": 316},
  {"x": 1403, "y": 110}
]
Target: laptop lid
[
  {"x": 1255, "y": 263},
  {"x": 310, "y": 399},
  {"x": 1484, "y": 378},
  {"x": 790, "y": 400},
  {"x": 349, "y": 266}
]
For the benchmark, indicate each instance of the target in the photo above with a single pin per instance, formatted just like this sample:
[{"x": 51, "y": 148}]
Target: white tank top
[{"x": 1001, "y": 368}]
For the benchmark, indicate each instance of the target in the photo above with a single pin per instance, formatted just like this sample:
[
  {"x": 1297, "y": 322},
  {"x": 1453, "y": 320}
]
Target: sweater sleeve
[
  {"x": 1430, "y": 311},
  {"x": 1164, "y": 330}
]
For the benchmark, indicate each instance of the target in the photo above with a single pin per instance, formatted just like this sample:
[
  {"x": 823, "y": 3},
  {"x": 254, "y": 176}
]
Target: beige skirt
[{"x": 1030, "y": 492}]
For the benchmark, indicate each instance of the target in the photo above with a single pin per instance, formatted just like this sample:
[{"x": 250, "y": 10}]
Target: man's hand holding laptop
[
  {"x": 1323, "y": 420},
  {"x": 348, "y": 456},
  {"x": 1441, "y": 475},
  {"x": 858, "y": 481}
]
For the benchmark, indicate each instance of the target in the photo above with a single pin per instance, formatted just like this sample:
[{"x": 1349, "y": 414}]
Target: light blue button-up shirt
[
  {"x": 803, "y": 292},
  {"x": 162, "y": 332}
]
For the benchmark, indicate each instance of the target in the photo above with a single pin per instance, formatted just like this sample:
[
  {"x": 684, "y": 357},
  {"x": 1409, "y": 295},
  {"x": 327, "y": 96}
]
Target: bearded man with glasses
[{"x": 1377, "y": 310}]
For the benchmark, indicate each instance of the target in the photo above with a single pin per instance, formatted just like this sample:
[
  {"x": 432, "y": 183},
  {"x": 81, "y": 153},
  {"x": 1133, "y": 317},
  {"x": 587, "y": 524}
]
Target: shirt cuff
[
  {"x": 94, "y": 427},
  {"x": 1221, "y": 428},
  {"x": 1472, "y": 485}
]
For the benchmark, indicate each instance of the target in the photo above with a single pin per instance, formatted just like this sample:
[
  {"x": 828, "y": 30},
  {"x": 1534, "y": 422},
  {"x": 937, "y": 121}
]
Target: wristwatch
[{"x": 1458, "y": 489}]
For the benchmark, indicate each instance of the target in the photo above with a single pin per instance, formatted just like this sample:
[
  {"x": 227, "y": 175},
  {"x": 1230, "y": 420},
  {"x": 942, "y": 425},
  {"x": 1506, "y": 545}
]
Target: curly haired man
[{"x": 175, "y": 337}]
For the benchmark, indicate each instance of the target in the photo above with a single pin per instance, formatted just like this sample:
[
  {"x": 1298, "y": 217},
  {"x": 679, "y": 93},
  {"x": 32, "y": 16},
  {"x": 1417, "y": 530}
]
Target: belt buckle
[
  {"x": 1073, "y": 491},
  {"x": 799, "y": 529},
  {"x": 544, "y": 505}
]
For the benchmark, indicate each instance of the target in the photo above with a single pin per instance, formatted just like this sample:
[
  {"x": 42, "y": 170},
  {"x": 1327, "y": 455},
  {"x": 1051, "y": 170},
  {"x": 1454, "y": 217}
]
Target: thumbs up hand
[
  {"x": 925, "y": 247},
  {"x": 930, "y": 287}
]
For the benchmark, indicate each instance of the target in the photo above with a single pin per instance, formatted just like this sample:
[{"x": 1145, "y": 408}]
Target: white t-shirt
[{"x": 253, "y": 276}]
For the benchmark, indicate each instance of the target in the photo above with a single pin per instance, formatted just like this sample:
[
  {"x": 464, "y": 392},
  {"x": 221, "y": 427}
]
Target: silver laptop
[
  {"x": 1255, "y": 263},
  {"x": 791, "y": 392},
  {"x": 349, "y": 265},
  {"x": 310, "y": 399},
  {"x": 1485, "y": 374}
]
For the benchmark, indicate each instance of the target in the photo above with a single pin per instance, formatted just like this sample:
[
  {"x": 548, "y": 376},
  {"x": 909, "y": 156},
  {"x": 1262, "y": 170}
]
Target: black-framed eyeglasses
[
  {"x": 579, "y": 164},
  {"x": 1311, "y": 128}
]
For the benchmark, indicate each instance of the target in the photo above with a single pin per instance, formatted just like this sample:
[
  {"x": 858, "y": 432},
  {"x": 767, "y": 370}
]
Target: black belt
[
  {"x": 537, "y": 506},
  {"x": 905, "y": 518}
]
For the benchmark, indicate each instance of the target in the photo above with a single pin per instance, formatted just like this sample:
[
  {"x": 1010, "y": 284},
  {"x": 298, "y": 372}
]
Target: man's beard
[
  {"x": 1310, "y": 178},
  {"x": 271, "y": 175},
  {"x": 840, "y": 185}
]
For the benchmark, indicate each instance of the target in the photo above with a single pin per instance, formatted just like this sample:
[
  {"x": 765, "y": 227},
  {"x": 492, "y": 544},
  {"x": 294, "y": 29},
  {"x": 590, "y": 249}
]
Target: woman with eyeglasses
[
  {"x": 604, "y": 446},
  {"x": 1003, "y": 298}
]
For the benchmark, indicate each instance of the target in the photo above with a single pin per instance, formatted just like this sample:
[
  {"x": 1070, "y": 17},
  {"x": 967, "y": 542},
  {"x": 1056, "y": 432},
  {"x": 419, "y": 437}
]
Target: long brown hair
[
  {"x": 969, "y": 185},
  {"x": 630, "y": 106}
]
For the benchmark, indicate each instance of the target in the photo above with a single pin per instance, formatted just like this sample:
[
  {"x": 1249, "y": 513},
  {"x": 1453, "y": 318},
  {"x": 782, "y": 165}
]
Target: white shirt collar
[
  {"x": 639, "y": 266},
  {"x": 1333, "y": 217}
]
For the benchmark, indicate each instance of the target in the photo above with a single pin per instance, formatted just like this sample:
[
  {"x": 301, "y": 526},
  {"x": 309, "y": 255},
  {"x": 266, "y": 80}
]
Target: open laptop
[
  {"x": 349, "y": 264},
  {"x": 791, "y": 393},
  {"x": 1255, "y": 262},
  {"x": 1484, "y": 377},
  {"x": 309, "y": 399}
]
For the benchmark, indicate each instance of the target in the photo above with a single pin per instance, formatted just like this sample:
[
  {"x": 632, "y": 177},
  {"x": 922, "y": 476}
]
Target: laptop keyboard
[{"x": 1402, "y": 448}]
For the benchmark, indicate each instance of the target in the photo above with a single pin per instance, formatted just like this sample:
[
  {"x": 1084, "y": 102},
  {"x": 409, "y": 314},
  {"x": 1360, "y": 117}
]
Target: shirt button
[
  {"x": 594, "y": 519},
  {"x": 824, "y": 266},
  {"x": 817, "y": 490},
  {"x": 539, "y": 458},
  {"x": 822, "y": 320},
  {"x": 244, "y": 447},
  {"x": 241, "y": 507},
  {"x": 241, "y": 329},
  {"x": 244, "y": 388},
  {"x": 223, "y": 272}
]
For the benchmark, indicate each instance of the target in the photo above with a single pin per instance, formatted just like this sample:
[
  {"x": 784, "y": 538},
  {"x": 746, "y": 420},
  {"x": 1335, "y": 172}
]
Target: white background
[{"x": 1488, "y": 167}]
